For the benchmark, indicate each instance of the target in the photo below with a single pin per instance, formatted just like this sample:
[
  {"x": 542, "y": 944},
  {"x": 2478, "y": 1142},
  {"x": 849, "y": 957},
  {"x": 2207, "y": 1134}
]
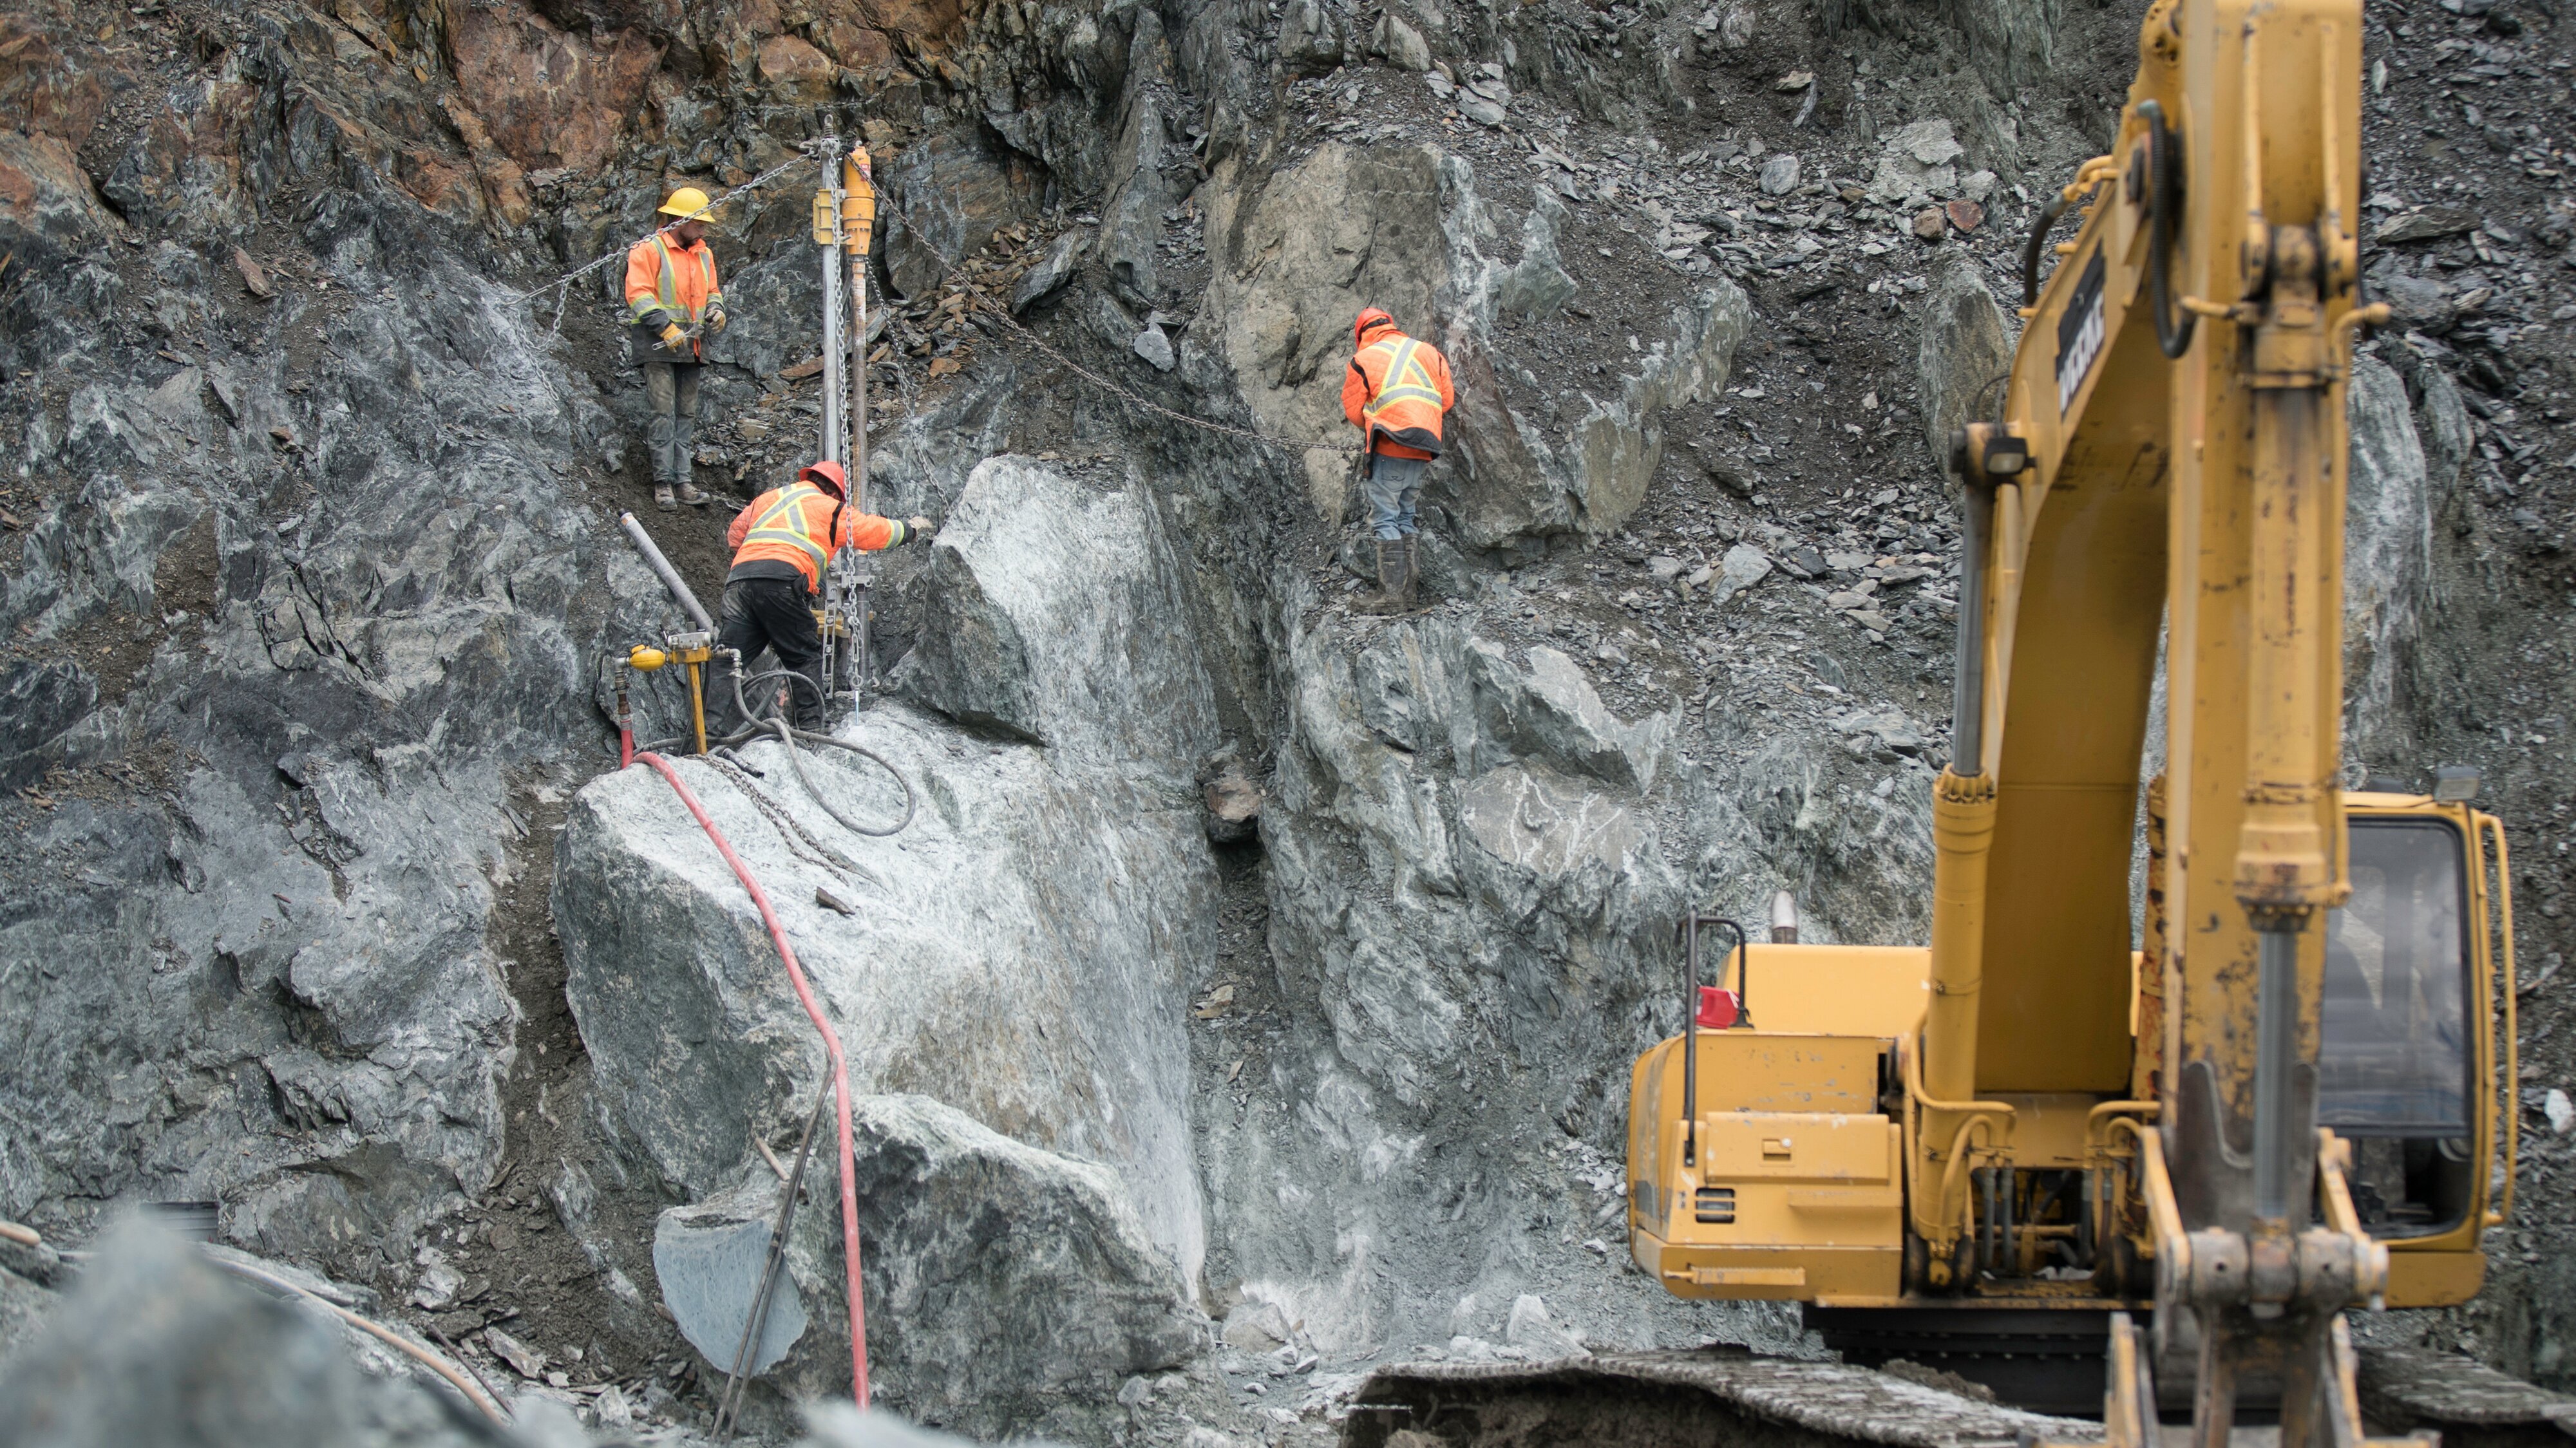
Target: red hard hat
[
  {"x": 1369, "y": 317},
  {"x": 828, "y": 476}
]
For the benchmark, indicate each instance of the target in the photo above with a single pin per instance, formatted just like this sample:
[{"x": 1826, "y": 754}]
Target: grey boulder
[{"x": 157, "y": 1347}]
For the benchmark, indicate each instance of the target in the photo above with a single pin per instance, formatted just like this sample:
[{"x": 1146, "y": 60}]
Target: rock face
[
  {"x": 549, "y": 97},
  {"x": 353, "y": 624},
  {"x": 1245, "y": 957},
  {"x": 1966, "y": 348},
  {"x": 1403, "y": 229},
  {"x": 1006, "y": 1276},
  {"x": 2388, "y": 567},
  {"x": 1035, "y": 989},
  {"x": 947, "y": 196},
  {"x": 1052, "y": 613}
]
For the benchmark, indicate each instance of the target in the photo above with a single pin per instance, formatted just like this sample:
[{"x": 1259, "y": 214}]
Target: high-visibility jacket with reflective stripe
[
  {"x": 669, "y": 284},
  {"x": 1396, "y": 389},
  {"x": 800, "y": 524}
]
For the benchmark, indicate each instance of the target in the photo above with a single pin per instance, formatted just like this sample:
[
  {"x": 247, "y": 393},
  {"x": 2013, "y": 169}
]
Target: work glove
[
  {"x": 716, "y": 320},
  {"x": 919, "y": 529},
  {"x": 675, "y": 339}
]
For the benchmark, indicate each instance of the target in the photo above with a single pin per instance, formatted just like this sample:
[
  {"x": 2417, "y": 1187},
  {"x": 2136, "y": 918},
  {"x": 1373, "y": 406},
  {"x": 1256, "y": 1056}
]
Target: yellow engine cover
[{"x": 1794, "y": 1190}]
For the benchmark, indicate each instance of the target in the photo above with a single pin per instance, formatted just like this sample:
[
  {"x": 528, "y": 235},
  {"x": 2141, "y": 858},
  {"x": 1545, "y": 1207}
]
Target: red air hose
[{"x": 840, "y": 1075}]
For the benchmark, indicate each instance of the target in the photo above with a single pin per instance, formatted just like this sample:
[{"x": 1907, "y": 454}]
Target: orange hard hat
[
  {"x": 1369, "y": 317},
  {"x": 828, "y": 476}
]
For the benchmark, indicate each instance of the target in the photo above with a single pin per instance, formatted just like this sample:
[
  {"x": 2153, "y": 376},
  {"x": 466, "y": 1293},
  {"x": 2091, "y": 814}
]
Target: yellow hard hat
[{"x": 687, "y": 203}]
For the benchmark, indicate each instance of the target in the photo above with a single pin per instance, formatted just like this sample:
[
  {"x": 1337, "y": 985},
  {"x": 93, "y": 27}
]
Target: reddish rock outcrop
[
  {"x": 548, "y": 97},
  {"x": 795, "y": 72},
  {"x": 42, "y": 91},
  {"x": 43, "y": 195}
]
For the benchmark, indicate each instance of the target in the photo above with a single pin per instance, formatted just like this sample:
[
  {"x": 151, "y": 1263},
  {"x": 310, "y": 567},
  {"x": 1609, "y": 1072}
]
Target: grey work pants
[{"x": 671, "y": 396}]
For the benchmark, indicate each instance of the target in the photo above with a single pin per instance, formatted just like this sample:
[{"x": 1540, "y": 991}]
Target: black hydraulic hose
[
  {"x": 2048, "y": 215},
  {"x": 662, "y": 568},
  {"x": 2164, "y": 210},
  {"x": 1986, "y": 1252},
  {"x": 2005, "y": 1183},
  {"x": 787, "y": 737},
  {"x": 1690, "y": 1038}
]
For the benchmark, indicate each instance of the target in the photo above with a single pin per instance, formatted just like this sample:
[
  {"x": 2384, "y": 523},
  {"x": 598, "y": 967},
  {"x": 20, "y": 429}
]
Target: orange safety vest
[
  {"x": 804, "y": 525},
  {"x": 677, "y": 281},
  {"x": 1398, "y": 389}
]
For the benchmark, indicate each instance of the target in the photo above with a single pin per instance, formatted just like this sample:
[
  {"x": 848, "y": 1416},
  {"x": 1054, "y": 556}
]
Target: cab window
[{"x": 2394, "y": 1060}]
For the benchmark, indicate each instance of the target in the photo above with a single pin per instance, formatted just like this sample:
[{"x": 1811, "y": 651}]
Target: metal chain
[
  {"x": 800, "y": 843},
  {"x": 999, "y": 313},
  {"x": 763, "y": 179}
]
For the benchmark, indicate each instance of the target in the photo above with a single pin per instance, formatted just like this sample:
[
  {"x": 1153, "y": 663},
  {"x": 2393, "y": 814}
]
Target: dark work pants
[
  {"x": 671, "y": 408},
  {"x": 776, "y": 614}
]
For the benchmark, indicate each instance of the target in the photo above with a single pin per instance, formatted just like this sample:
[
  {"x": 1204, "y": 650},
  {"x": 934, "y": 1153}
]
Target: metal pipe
[
  {"x": 2275, "y": 1053},
  {"x": 833, "y": 359},
  {"x": 1690, "y": 1038},
  {"x": 662, "y": 569},
  {"x": 1968, "y": 672},
  {"x": 858, "y": 169},
  {"x": 737, "y": 1387}
]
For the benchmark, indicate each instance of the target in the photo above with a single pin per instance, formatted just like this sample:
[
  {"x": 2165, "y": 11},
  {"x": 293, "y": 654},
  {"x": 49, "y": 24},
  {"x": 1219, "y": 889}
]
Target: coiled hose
[{"x": 787, "y": 735}]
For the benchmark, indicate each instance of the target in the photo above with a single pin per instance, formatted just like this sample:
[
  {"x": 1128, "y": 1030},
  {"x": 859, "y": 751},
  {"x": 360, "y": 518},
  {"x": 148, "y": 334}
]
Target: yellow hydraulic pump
[{"x": 689, "y": 649}]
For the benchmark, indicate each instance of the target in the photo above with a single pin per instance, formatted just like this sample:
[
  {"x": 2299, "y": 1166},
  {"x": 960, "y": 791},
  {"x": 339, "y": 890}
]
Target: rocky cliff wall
[{"x": 326, "y": 907}]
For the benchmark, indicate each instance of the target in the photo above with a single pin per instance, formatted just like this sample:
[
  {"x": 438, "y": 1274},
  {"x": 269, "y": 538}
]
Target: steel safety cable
[
  {"x": 997, "y": 313},
  {"x": 604, "y": 258},
  {"x": 800, "y": 841}
]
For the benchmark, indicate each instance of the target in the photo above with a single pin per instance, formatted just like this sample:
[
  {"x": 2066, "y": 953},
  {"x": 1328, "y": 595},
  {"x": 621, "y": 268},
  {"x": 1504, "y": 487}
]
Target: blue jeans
[{"x": 1393, "y": 485}]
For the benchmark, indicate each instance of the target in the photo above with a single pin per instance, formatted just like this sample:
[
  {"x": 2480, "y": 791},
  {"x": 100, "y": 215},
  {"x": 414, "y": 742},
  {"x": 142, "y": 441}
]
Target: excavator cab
[{"x": 2417, "y": 990}]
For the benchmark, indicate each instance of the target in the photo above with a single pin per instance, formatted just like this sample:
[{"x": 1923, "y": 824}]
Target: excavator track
[
  {"x": 1730, "y": 1398},
  {"x": 1679, "y": 1400},
  {"x": 2409, "y": 1389},
  {"x": 2046, "y": 1360}
]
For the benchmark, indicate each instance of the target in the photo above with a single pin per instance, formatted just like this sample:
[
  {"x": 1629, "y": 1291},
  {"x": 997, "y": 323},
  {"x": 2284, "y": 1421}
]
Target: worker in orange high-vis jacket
[
  {"x": 671, "y": 294},
  {"x": 1395, "y": 392},
  {"x": 781, "y": 544}
]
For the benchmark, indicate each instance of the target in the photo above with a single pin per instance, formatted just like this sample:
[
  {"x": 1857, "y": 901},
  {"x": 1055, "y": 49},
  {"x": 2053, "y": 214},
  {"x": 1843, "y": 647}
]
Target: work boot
[
  {"x": 1412, "y": 568},
  {"x": 662, "y": 498},
  {"x": 1389, "y": 597},
  {"x": 690, "y": 495}
]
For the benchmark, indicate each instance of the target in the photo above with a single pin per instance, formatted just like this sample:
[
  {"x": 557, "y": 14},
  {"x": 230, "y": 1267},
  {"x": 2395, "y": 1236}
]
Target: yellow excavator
[
  {"x": 2029, "y": 1139},
  {"x": 2289, "y": 1100}
]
